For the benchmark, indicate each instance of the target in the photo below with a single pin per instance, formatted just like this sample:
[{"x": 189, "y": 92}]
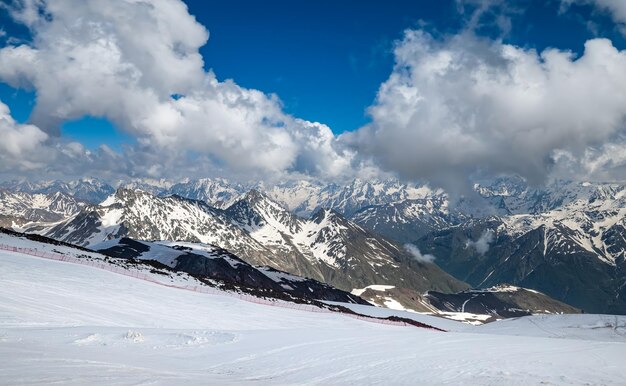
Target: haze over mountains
[{"x": 565, "y": 240}]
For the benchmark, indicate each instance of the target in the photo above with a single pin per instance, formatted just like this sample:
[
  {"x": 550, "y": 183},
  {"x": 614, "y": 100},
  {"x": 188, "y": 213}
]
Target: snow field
[
  {"x": 183, "y": 282},
  {"x": 69, "y": 323}
]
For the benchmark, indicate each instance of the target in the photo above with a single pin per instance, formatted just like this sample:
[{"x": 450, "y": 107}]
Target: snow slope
[{"x": 68, "y": 323}]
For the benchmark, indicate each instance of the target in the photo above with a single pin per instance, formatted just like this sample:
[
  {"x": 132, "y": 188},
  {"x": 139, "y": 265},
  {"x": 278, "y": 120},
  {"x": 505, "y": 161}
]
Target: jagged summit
[
  {"x": 91, "y": 190},
  {"x": 326, "y": 214}
]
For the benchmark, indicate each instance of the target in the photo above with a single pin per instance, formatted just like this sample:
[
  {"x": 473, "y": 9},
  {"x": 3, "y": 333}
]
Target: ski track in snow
[{"x": 68, "y": 323}]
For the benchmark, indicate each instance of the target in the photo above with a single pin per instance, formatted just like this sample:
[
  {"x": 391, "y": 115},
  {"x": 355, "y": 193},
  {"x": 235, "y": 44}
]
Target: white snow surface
[
  {"x": 68, "y": 323},
  {"x": 278, "y": 276},
  {"x": 374, "y": 287},
  {"x": 467, "y": 317}
]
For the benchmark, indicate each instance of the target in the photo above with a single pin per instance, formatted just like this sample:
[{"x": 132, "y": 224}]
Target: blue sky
[{"x": 326, "y": 59}]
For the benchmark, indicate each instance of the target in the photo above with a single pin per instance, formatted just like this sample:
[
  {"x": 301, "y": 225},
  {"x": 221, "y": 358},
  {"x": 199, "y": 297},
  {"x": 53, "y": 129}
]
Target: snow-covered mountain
[
  {"x": 501, "y": 301},
  {"x": 305, "y": 198},
  {"x": 474, "y": 306},
  {"x": 326, "y": 247},
  {"x": 157, "y": 187},
  {"x": 143, "y": 216},
  {"x": 406, "y": 220},
  {"x": 504, "y": 195},
  {"x": 567, "y": 239},
  {"x": 554, "y": 259},
  {"x": 20, "y": 208},
  {"x": 335, "y": 250},
  {"x": 219, "y": 193},
  {"x": 300, "y": 227},
  {"x": 300, "y": 197},
  {"x": 596, "y": 213},
  {"x": 87, "y": 189}
]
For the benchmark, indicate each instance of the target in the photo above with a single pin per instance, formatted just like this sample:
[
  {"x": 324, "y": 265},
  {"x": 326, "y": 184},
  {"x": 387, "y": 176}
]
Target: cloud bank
[
  {"x": 138, "y": 64},
  {"x": 453, "y": 107},
  {"x": 22, "y": 146},
  {"x": 464, "y": 105}
]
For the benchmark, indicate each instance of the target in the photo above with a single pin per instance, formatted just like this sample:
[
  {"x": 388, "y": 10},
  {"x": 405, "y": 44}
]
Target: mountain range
[
  {"x": 565, "y": 240},
  {"x": 325, "y": 247}
]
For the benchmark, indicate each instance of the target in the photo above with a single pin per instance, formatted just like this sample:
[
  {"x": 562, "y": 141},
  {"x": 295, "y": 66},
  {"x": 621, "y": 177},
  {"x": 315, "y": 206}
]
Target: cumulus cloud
[
  {"x": 114, "y": 59},
  {"x": 25, "y": 149},
  {"x": 605, "y": 163},
  {"x": 452, "y": 108},
  {"x": 463, "y": 105},
  {"x": 22, "y": 146},
  {"x": 138, "y": 64},
  {"x": 482, "y": 244},
  {"x": 417, "y": 255}
]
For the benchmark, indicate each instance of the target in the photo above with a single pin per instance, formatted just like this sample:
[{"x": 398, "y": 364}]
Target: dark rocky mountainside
[
  {"x": 548, "y": 259},
  {"x": 212, "y": 262},
  {"x": 500, "y": 302}
]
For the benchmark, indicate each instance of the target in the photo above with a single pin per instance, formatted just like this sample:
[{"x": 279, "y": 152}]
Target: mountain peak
[
  {"x": 256, "y": 207},
  {"x": 127, "y": 195},
  {"x": 261, "y": 202},
  {"x": 254, "y": 195},
  {"x": 327, "y": 214}
]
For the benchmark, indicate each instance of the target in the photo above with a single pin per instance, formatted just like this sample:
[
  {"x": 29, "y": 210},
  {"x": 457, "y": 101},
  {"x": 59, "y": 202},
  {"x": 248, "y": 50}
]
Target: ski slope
[{"x": 69, "y": 323}]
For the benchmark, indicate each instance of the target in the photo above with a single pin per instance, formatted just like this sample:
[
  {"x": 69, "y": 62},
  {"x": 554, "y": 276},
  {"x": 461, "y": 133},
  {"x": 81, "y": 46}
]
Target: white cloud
[
  {"x": 606, "y": 163},
  {"x": 451, "y": 108},
  {"x": 482, "y": 244},
  {"x": 138, "y": 64},
  {"x": 116, "y": 59},
  {"x": 22, "y": 146},
  {"x": 464, "y": 105},
  {"x": 417, "y": 255}
]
